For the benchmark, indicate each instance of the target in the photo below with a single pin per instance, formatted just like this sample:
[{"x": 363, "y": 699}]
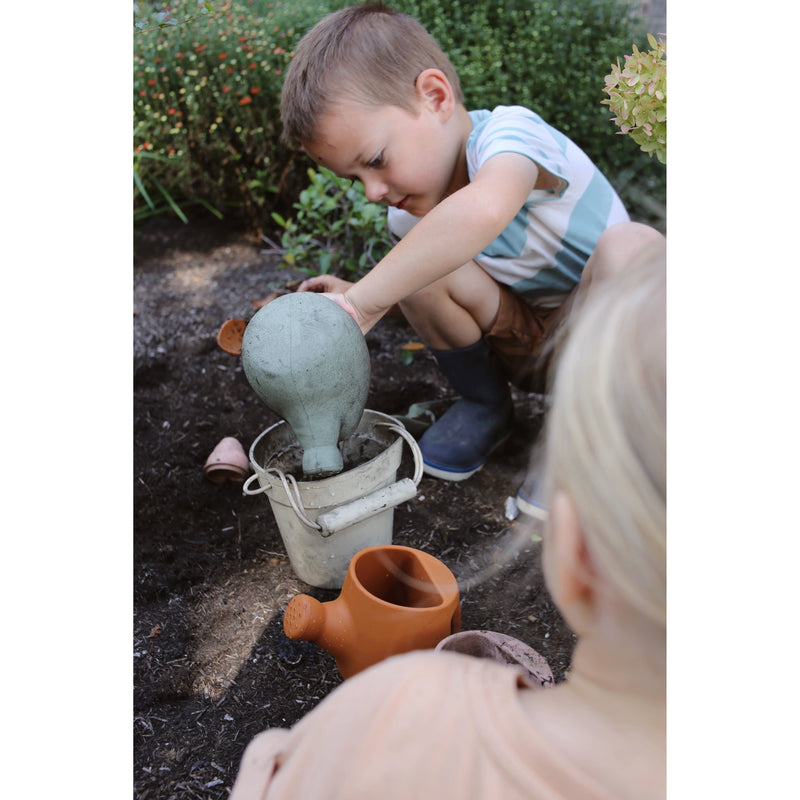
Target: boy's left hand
[
  {"x": 336, "y": 289},
  {"x": 343, "y": 301},
  {"x": 325, "y": 283}
]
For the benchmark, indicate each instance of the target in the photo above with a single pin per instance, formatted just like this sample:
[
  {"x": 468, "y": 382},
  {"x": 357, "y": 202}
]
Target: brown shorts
[{"x": 523, "y": 336}]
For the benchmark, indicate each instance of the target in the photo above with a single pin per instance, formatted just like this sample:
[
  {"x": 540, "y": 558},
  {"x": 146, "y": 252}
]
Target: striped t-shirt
[{"x": 542, "y": 252}]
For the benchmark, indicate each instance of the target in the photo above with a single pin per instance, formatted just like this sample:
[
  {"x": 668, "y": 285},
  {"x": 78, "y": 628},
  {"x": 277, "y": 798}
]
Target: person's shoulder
[
  {"x": 430, "y": 665},
  {"x": 504, "y": 121},
  {"x": 425, "y": 670},
  {"x": 513, "y": 112}
]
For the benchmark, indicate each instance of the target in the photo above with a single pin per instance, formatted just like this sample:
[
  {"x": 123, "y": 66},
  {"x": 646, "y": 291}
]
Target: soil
[{"x": 211, "y": 664}]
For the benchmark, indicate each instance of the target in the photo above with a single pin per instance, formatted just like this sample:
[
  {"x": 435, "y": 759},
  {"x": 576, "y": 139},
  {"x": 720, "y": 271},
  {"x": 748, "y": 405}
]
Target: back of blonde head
[
  {"x": 607, "y": 431},
  {"x": 369, "y": 54}
]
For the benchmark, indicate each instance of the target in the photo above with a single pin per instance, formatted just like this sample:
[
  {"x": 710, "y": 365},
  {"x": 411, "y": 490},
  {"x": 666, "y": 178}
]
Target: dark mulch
[{"x": 212, "y": 666}]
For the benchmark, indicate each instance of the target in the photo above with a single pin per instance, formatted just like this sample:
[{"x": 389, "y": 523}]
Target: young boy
[{"x": 498, "y": 214}]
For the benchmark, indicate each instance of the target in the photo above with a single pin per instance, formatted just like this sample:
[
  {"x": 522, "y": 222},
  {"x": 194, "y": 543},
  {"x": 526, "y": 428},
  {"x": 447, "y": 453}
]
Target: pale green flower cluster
[{"x": 637, "y": 94}]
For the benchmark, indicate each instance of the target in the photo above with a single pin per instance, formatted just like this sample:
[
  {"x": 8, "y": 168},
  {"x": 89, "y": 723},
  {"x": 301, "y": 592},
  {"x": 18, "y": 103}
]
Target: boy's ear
[
  {"x": 435, "y": 91},
  {"x": 571, "y": 576}
]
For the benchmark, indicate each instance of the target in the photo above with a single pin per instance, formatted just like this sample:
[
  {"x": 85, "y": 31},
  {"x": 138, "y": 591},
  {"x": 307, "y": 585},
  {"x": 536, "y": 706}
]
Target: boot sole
[
  {"x": 532, "y": 509},
  {"x": 446, "y": 474}
]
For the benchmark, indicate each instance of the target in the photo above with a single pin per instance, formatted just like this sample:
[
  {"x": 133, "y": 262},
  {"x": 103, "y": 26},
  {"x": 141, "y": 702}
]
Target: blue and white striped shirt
[{"x": 542, "y": 252}]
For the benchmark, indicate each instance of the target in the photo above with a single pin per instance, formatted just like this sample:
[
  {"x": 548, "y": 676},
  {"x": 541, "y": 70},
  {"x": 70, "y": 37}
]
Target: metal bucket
[{"x": 324, "y": 523}]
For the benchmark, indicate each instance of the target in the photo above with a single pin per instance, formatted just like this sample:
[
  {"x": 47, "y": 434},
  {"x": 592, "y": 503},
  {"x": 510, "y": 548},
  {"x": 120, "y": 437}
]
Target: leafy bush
[
  {"x": 207, "y": 91},
  {"x": 206, "y": 101},
  {"x": 336, "y": 229},
  {"x": 637, "y": 94},
  {"x": 548, "y": 55}
]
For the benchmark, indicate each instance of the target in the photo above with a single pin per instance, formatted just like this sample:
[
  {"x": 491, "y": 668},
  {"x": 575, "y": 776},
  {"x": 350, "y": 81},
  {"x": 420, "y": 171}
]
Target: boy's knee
[{"x": 428, "y": 298}]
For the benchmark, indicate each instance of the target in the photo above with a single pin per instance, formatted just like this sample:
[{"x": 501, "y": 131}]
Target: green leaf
[
  {"x": 172, "y": 204},
  {"x": 140, "y": 186}
]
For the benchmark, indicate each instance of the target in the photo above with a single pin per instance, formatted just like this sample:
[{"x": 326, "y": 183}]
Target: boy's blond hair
[
  {"x": 368, "y": 53},
  {"x": 607, "y": 430}
]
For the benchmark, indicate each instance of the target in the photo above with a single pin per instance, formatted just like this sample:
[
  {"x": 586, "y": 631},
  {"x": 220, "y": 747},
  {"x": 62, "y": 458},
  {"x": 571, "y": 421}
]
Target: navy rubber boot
[{"x": 458, "y": 444}]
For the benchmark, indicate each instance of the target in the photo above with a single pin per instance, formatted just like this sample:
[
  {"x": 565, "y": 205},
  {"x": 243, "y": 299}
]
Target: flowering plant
[
  {"x": 206, "y": 103},
  {"x": 637, "y": 94}
]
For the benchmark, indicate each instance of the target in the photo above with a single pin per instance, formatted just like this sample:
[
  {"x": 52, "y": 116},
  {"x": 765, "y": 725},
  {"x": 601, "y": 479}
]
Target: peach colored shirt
[{"x": 429, "y": 725}]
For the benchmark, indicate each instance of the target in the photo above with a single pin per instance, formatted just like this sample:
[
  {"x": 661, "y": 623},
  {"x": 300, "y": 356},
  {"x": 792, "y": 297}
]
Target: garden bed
[{"x": 212, "y": 666}]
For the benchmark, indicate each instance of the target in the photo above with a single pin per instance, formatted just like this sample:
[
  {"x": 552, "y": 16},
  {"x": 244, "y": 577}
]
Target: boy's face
[{"x": 404, "y": 160}]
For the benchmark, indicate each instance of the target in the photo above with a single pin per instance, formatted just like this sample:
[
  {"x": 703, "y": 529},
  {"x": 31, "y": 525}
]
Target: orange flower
[
  {"x": 254, "y": 90},
  {"x": 226, "y": 89},
  {"x": 222, "y": 56},
  {"x": 170, "y": 111},
  {"x": 245, "y": 100},
  {"x": 151, "y": 82}
]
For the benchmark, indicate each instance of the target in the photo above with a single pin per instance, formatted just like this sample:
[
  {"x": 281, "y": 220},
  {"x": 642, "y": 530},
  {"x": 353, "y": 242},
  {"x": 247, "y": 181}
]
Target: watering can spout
[
  {"x": 322, "y": 461},
  {"x": 304, "y": 618},
  {"x": 328, "y": 624}
]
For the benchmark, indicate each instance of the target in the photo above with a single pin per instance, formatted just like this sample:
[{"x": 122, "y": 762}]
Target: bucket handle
[
  {"x": 362, "y": 508},
  {"x": 412, "y": 444},
  {"x": 292, "y": 492}
]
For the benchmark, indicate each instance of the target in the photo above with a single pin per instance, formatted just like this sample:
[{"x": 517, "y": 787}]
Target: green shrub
[
  {"x": 548, "y": 55},
  {"x": 336, "y": 229},
  {"x": 207, "y": 92},
  {"x": 206, "y": 100}
]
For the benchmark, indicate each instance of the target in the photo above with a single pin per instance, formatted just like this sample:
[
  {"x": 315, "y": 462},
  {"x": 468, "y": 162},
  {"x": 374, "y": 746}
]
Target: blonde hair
[
  {"x": 370, "y": 54},
  {"x": 606, "y": 441}
]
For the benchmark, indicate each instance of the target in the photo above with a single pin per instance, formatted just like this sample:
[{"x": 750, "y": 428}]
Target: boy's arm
[{"x": 447, "y": 237}]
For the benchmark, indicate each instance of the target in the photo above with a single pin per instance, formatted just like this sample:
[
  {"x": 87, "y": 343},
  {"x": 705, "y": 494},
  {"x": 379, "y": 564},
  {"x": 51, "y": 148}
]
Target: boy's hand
[
  {"x": 336, "y": 289},
  {"x": 324, "y": 283},
  {"x": 343, "y": 301}
]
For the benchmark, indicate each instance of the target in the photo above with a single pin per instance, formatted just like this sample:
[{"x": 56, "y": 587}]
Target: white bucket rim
[{"x": 323, "y": 485}]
